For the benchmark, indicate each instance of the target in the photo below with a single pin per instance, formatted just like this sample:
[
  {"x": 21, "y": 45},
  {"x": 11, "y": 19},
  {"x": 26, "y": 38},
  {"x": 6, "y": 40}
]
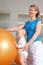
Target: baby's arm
[
  {"x": 19, "y": 46},
  {"x": 16, "y": 45}
]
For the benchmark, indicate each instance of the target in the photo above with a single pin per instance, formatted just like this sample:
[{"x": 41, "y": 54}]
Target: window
[{"x": 4, "y": 19}]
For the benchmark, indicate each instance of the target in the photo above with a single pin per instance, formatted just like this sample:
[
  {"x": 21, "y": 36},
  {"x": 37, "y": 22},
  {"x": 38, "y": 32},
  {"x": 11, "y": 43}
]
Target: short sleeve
[{"x": 39, "y": 20}]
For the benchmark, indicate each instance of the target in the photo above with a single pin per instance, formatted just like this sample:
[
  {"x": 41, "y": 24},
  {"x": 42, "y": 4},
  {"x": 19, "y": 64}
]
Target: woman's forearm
[
  {"x": 33, "y": 39},
  {"x": 12, "y": 29},
  {"x": 15, "y": 29}
]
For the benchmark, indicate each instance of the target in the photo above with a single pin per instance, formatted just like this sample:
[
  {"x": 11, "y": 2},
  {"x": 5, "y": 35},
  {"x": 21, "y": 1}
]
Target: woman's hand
[{"x": 26, "y": 47}]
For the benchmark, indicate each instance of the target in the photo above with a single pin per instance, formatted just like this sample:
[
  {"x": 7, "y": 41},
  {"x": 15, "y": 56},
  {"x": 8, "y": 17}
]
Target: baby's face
[{"x": 19, "y": 34}]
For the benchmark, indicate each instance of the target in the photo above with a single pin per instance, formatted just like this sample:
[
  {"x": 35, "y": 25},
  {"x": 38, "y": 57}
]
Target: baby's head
[{"x": 21, "y": 33}]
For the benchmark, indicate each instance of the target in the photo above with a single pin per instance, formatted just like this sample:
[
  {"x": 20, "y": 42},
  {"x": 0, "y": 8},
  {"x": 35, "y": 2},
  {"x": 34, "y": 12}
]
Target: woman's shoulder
[{"x": 38, "y": 20}]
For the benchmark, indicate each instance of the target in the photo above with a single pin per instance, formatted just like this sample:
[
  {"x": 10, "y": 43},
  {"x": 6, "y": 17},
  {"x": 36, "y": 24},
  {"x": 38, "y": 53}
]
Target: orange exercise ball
[
  {"x": 8, "y": 50},
  {"x": 17, "y": 59}
]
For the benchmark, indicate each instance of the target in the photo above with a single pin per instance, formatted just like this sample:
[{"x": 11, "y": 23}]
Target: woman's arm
[
  {"x": 38, "y": 30},
  {"x": 16, "y": 28}
]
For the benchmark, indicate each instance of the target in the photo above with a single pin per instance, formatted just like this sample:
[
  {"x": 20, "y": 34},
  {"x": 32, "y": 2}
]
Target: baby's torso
[{"x": 21, "y": 42}]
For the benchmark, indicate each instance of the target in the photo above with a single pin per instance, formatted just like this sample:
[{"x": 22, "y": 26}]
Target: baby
[{"x": 21, "y": 43}]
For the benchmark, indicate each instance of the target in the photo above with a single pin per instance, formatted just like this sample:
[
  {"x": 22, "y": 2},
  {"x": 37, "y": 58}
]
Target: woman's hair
[{"x": 36, "y": 9}]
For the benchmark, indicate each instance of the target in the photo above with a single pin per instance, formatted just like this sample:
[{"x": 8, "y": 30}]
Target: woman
[{"x": 33, "y": 29}]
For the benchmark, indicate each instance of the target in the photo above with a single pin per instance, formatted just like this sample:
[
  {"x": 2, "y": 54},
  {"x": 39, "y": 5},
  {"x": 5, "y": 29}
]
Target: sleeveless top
[{"x": 30, "y": 28}]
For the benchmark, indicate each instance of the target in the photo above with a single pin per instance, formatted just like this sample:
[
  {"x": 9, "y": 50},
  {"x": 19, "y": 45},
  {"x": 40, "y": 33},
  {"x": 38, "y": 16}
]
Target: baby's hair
[{"x": 22, "y": 31}]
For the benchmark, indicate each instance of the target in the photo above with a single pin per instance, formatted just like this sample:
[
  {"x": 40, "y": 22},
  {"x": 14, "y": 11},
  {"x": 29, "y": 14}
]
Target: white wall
[{"x": 18, "y": 6}]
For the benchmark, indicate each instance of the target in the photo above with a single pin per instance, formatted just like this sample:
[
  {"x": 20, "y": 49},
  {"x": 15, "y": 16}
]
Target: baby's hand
[{"x": 16, "y": 45}]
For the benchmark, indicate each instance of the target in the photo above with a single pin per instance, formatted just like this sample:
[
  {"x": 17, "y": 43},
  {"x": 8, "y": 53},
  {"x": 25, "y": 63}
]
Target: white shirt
[{"x": 21, "y": 42}]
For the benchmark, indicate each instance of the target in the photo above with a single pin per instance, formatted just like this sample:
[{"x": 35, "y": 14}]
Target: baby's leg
[
  {"x": 22, "y": 59},
  {"x": 25, "y": 61}
]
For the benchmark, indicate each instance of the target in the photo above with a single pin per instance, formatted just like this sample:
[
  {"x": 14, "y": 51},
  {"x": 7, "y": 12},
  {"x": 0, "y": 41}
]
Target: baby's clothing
[{"x": 20, "y": 45}]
